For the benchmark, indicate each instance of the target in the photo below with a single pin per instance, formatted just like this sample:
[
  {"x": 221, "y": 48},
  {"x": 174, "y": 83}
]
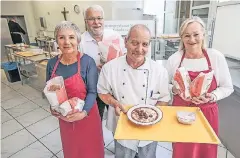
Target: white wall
[
  {"x": 127, "y": 10},
  {"x": 5, "y": 38},
  {"x": 226, "y": 32},
  {"x": 155, "y": 7},
  {"x": 51, "y": 11},
  {"x": 170, "y": 23},
  {"x": 21, "y": 8}
]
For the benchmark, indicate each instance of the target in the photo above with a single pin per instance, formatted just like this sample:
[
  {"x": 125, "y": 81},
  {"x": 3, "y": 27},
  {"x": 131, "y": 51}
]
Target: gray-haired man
[{"x": 94, "y": 20}]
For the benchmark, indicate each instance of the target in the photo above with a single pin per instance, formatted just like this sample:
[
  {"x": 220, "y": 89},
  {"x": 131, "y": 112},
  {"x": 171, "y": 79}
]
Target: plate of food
[{"x": 144, "y": 114}]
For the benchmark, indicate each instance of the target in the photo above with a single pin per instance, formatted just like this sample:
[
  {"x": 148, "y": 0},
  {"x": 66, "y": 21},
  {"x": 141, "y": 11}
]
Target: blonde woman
[{"x": 196, "y": 58}]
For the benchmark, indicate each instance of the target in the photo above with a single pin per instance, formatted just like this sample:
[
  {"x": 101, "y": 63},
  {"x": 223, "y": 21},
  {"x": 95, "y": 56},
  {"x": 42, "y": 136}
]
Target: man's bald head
[
  {"x": 137, "y": 43},
  {"x": 137, "y": 28}
]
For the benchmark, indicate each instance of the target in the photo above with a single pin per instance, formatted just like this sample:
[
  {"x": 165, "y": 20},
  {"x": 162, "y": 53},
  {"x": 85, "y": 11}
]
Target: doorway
[{"x": 21, "y": 21}]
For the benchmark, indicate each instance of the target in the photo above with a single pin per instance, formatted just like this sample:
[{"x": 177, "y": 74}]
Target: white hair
[
  {"x": 185, "y": 25},
  {"x": 67, "y": 25},
  {"x": 138, "y": 26},
  {"x": 95, "y": 8}
]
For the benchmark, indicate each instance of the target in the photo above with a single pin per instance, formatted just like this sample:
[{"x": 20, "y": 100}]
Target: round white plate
[{"x": 160, "y": 114}]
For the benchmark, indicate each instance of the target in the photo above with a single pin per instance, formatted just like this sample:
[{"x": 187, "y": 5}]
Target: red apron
[
  {"x": 84, "y": 138},
  {"x": 210, "y": 110}
]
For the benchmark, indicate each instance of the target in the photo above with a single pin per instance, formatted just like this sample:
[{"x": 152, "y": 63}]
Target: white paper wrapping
[
  {"x": 57, "y": 97},
  {"x": 201, "y": 84},
  {"x": 198, "y": 87},
  {"x": 71, "y": 104},
  {"x": 109, "y": 49},
  {"x": 182, "y": 81}
]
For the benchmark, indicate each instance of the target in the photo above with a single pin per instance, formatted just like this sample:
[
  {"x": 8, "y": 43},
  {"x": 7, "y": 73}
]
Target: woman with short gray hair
[
  {"x": 81, "y": 131},
  {"x": 67, "y": 25}
]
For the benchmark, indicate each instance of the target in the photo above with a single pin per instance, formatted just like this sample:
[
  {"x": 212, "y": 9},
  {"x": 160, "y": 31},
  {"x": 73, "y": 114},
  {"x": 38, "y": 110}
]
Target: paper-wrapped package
[
  {"x": 55, "y": 92},
  {"x": 182, "y": 81},
  {"x": 201, "y": 84},
  {"x": 109, "y": 49},
  {"x": 189, "y": 89},
  {"x": 70, "y": 105}
]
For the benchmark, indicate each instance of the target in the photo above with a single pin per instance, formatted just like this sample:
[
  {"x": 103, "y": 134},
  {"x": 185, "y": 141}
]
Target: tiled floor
[{"x": 29, "y": 130}]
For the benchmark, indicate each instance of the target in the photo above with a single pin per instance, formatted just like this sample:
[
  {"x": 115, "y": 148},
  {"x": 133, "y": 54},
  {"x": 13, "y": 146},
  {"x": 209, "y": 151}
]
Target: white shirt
[
  {"x": 131, "y": 87},
  {"x": 219, "y": 66},
  {"x": 89, "y": 45}
]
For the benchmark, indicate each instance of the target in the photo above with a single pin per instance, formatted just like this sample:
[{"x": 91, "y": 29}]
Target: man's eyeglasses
[{"x": 93, "y": 19}]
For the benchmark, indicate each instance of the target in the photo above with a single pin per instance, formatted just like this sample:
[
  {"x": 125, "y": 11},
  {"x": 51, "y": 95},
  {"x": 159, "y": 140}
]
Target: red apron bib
[
  {"x": 210, "y": 110},
  {"x": 84, "y": 138}
]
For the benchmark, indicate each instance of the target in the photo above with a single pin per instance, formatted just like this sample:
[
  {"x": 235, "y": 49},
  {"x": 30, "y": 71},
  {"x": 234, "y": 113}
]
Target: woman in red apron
[
  {"x": 81, "y": 132},
  {"x": 210, "y": 110},
  {"x": 192, "y": 45},
  {"x": 196, "y": 58}
]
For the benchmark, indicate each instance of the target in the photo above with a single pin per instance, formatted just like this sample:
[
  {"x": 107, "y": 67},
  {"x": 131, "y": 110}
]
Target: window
[{"x": 198, "y": 3}]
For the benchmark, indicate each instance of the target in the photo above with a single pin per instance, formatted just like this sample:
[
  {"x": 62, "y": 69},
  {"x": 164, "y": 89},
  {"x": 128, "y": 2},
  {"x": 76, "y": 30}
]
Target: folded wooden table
[
  {"x": 168, "y": 129},
  {"x": 27, "y": 54}
]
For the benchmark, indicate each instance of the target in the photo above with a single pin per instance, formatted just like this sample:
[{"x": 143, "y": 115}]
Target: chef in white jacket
[{"x": 130, "y": 80}]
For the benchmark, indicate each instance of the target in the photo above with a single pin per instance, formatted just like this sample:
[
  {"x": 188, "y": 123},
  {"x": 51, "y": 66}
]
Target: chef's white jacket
[{"x": 131, "y": 87}]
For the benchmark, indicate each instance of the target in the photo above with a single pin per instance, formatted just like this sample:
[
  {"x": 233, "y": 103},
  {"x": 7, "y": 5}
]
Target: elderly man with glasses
[{"x": 95, "y": 34}]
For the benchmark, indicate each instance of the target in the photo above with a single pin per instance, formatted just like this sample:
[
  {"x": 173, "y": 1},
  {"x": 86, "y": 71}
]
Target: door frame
[
  {"x": 212, "y": 7},
  {"x": 24, "y": 26},
  {"x": 219, "y": 4}
]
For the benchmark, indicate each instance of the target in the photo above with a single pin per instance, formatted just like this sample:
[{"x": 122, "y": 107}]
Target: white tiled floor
[{"x": 29, "y": 130}]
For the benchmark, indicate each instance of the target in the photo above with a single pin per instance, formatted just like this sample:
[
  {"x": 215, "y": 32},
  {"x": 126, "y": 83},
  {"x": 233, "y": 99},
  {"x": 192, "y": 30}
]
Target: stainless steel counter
[
  {"x": 39, "y": 81},
  {"x": 27, "y": 67},
  {"x": 31, "y": 69}
]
